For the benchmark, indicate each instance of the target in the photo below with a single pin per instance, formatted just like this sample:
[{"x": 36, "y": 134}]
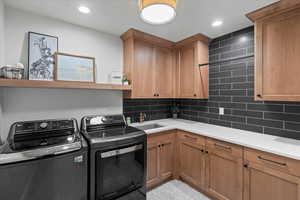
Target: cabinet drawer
[
  {"x": 160, "y": 137},
  {"x": 276, "y": 162},
  {"x": 224, "y": 148},
  {"x": 191, "y": 138}
]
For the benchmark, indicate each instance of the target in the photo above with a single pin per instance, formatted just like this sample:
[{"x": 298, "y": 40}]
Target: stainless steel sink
[{"x": 149, "y": 126}]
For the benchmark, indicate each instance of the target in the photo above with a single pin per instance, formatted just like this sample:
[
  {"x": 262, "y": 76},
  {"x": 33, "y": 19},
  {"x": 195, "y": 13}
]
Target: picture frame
[
  {"x": 41, "y": 50},
  {"x": 75, "y": 68}
]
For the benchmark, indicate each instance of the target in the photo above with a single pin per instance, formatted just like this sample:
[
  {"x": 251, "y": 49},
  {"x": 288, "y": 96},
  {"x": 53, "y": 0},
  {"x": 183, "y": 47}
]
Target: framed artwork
[
  {"x": 41, "y": 50},
  {"x": 74, "y": 68}
]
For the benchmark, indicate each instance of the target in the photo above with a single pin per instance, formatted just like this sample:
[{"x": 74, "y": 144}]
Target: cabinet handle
[
  {"x": 157, "y": 95},
  {"x": 206, "y": 152},
  {"x": 202, "y": 150},
  {"x": 191, "y": 137},
  {"x": 195, "y": 95},
  {"x": 222, "y": 146},
  {"x": 271, "y": 161},
  {"x": 246, "y": 165},
  {"x": 259, "y": 95}
]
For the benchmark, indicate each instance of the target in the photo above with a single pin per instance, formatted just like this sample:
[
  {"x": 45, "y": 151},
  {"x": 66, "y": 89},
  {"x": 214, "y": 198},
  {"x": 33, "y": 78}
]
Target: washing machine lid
[
  {"x": 34, "y": 139},
  {"x": 43, "y": 133}
]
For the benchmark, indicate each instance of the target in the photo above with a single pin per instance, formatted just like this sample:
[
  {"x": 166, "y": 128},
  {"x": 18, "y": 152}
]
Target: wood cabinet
[
  {"x": 152, "y": 162},
  {"x": 192, "y": 159},
  {"x": 277, "y": 30},
  {"x": 160, "y": 158},
  {"x": 270, "y": 177},
  {"x": 144, "y": 70},
  {"x": 192, "y": 79},
  {"x": 164, "y": 72},
  {"x": 221, "y": 170},
  {"x": 149, "y": 64},
  {"x": 224, "y": 170},
  {"x": 159, "y": 68}
]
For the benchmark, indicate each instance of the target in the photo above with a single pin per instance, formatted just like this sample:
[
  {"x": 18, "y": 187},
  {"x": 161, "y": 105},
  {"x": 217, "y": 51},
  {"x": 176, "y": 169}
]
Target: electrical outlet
[{"x": 221, "y": 111}]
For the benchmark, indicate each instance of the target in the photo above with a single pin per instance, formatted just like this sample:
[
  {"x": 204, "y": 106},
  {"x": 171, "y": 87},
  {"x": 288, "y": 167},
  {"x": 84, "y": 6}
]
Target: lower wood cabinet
[
  {"x": 191, "y": 159},
  {"x": 221, "y": 170},
  {"x": 224, "y": 170},
  {"x": 160, "y": 158},
  {"x": 267, "y": 176}
]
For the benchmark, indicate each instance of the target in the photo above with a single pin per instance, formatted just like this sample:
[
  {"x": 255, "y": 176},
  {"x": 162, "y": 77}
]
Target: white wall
[
  {"x": 19, "y": 104},
  {"x": 1, "y": 33},
  {"x": 1, "y": 57},
  {"x": 73, "y": 39}
]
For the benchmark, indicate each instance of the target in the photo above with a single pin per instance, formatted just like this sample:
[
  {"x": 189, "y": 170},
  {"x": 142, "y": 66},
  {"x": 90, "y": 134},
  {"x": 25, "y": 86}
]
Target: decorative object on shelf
[
  {"x": 158, "y": 11},
  {"x": 125, "y": 80},
  {"x": 74, "y": 68},
  {"x": 41, "y": 49},
  {"x": 115, "y": 77},
  {"x": 9, "y": 72},
  {"x": 175, "y": 110}
]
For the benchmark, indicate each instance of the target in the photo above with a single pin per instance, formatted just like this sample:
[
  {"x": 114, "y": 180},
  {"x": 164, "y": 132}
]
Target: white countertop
[{"x": 277, "y": 145}]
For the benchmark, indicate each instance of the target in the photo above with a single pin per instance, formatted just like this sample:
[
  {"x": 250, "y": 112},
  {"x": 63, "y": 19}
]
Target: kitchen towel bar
[{"x": 227, "y": 60}]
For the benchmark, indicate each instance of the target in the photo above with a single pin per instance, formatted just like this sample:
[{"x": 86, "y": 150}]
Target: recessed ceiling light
[
  {"x": 158, "y": 12},
  {"x": 84, "y": 9},
  {"x": 217, "y": 23}
]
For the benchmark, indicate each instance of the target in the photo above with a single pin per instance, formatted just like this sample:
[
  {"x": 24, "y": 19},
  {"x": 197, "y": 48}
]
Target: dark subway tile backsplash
[
  {"x": 153, "y": 108},
  {"x": 231, "y": 86}
]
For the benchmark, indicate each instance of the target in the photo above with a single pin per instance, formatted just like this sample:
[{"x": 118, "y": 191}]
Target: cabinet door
[
  {"x": 261, "y": 183},
  {"x": 192, "y": 167},
  {"x": 166, "y": 159},
  {"x": 224, "y": 175},
  {"x": 164, "y": 72},
  {"x": 277, "y": 57},
  {"x": 152, "y": 164},
  {"x": 187, "y": 72},
  {"x": 201, "y": 73},
  {"x": 144, "y": 81}
]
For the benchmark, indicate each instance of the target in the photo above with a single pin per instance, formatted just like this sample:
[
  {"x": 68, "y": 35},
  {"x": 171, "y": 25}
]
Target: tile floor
[{"x": 175, "y": 190}]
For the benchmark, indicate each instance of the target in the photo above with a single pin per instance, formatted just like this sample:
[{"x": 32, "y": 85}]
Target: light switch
[{"x": 221, "y": 111}]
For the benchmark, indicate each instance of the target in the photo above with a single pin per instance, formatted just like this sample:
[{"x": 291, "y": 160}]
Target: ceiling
[{"x": 117, "y": 16}]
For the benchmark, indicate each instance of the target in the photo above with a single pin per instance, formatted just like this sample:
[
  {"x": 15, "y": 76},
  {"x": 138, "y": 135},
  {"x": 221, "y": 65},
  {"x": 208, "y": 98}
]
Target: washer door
[{"x": 55, "y": 178}]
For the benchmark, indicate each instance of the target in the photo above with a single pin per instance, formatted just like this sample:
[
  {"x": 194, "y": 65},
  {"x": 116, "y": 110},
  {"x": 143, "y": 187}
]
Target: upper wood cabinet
[
  {"x": 149, "y": 64},
  {"x": 159, "y": 68},
  {"x": 277, "y": 30},
  {"x": 192, "y": 79}
]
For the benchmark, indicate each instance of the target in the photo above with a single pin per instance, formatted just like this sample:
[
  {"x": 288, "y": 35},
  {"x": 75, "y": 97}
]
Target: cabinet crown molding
[
  {"x": 275, "y": 8},
  {"x": 140, "y": 35}
]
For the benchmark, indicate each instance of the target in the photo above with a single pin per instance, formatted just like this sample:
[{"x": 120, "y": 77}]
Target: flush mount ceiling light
[
  {"x": 84, "y": 9},
  {"x": 158, "y": 11}
]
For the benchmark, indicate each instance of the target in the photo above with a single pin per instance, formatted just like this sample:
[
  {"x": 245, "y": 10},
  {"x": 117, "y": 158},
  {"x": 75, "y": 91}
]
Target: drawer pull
[
  {"x": 191, "y": 137},
  {"x": 272, "y": 161},
  {"x": 223, "y": 147}
]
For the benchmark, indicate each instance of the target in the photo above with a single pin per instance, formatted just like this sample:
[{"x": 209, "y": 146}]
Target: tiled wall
[
  {"x": 231, "y": 87},
  {"x": 153, "y": 108}
]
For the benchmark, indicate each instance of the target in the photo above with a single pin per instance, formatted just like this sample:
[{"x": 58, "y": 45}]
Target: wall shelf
[{"x": 60, "y": 84}]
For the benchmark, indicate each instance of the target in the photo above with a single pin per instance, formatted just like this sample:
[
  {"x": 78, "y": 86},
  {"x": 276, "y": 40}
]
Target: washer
[{"x": 45, "y": 159}]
